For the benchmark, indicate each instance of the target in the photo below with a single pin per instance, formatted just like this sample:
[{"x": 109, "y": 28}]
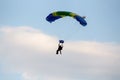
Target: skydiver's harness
[
  {"x": 60, "y": 44},
  {"x": 60, "y": 47}
]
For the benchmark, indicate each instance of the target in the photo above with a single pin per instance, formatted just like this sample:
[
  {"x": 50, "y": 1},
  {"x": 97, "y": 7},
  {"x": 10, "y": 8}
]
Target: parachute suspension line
[
  {"x": 60, "y": 14},
  {"x": 71, "y": 35}
]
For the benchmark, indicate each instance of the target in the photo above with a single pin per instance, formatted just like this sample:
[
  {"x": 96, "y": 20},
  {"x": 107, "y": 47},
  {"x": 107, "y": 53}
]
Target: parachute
[{"x": 60, "y": 14}]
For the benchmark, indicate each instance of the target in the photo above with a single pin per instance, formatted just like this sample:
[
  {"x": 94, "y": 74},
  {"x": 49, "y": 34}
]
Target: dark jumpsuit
[{"x": 59, "y": 49}]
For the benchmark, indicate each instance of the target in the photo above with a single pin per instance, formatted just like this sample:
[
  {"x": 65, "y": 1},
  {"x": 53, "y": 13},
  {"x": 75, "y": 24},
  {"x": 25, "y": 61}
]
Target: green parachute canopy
[{"x": 60, "y": 14}]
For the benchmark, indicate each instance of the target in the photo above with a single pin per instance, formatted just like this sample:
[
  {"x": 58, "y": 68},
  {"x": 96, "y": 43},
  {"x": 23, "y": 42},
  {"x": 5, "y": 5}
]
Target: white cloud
[
  {"x": 28, "y": 37},
  {"x": 29, "y": 76},
  {"x": 30, "y": 52}
]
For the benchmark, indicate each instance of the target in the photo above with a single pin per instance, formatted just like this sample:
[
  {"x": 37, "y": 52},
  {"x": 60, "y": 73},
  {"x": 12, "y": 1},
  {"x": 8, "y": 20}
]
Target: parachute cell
[{"x": 60, "y": 14}]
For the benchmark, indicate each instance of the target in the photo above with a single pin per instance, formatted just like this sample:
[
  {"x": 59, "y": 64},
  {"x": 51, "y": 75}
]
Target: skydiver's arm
[
  {"x": 62, "y": 44},
  {"x": 59, "y": 44}
]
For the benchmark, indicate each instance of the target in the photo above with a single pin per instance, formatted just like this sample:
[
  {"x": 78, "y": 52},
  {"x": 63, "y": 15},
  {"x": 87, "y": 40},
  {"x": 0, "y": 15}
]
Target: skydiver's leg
[
  {"x": 60, "y": 52},
  {"x": 57, "y": 51}
]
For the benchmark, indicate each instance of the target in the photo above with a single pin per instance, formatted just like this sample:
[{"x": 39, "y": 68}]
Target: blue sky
[
  {"x": 21, "y": 16},
  {"x": 102, "y": 17}
]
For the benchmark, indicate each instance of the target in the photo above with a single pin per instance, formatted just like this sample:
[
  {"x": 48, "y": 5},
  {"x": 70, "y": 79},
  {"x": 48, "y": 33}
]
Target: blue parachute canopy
[{"x": 60, "y": 14}]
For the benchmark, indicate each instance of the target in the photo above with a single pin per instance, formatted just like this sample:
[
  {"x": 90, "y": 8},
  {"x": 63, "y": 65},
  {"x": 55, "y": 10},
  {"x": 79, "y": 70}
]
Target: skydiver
[{"x": 60, "y": 47}]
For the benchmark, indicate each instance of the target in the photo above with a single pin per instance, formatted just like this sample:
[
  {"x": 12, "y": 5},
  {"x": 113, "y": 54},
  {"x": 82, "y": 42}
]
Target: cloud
[{"x": 31, "y": 53}]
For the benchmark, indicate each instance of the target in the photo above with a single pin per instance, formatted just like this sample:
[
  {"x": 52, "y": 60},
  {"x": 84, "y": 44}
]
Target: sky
[{"x": 28, "y": 42}]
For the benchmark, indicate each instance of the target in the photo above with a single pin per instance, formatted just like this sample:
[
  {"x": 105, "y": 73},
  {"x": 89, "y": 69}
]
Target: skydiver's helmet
[
  {"x": 83, "y": 17},
  {"x": 61, "y": 41}
]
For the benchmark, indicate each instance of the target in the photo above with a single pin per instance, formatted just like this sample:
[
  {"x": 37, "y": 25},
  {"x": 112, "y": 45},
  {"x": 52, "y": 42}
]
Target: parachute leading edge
[{"x": 60, "y": 14}]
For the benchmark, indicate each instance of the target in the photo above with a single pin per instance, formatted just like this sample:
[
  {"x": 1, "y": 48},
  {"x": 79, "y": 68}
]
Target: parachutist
[{"x": 60, "y": 46}]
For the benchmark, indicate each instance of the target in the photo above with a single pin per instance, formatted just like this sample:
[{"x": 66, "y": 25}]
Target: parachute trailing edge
[{"x": 60, "y": 14}]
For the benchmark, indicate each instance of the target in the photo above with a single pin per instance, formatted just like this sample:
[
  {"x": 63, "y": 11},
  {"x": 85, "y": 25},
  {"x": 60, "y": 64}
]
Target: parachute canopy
[{"x": 60, "y": 14}]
